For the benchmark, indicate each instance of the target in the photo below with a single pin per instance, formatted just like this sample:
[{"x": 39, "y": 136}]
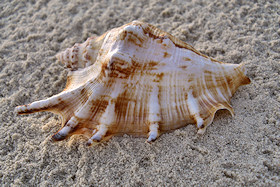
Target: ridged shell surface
[{"x": 137, "y": 79}]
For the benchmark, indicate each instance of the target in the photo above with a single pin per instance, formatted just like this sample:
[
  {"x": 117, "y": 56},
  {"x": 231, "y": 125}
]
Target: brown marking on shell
[
  {"x": 166, "y": 55},
  {"x": 183, "y": 67},
  {"x": 156, "y": 33},
  {"x": 158, "y": 77},
  {"x": 245, "y": 80},
  {"x": 129, "y": 36},
  {"x": 186, "y": 59},
  {"x": 87, "y": 57},
  {"x": 68, "y": 82},
  {"x": 151, "y": 65},
  {"x": 159, "y": 40},
  {"x": 214, "y": 60}
]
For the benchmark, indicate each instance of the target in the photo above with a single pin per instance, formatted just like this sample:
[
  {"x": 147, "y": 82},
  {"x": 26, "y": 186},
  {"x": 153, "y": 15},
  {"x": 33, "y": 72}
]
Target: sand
[{"x": 243, "y": 150}]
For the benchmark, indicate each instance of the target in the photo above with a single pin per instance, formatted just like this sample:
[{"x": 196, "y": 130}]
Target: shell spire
[
  {"x": 139, "y": 80},
  {"x": 81, "y": 55}
]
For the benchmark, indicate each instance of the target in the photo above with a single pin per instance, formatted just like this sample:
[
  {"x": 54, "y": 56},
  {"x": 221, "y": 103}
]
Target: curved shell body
[{"x": 137, "y": 79}]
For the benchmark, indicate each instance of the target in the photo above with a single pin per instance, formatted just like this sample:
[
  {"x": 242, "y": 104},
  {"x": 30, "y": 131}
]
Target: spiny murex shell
[{"x": 137, "y": 79}]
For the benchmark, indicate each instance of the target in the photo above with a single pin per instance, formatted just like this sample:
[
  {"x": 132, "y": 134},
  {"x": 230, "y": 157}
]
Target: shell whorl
[
  {"x": 81, "y": 55},
  {"x": 137, "y": 79}
]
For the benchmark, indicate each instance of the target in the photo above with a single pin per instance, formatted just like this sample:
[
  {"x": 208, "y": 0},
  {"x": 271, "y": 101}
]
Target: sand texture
[{"x": 243, "y": 150}]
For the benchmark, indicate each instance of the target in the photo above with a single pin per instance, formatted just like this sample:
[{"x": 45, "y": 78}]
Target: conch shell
[{"x": 140, "y": 80}]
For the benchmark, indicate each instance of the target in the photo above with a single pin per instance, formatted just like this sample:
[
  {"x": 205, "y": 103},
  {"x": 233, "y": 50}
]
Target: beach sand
[{"x": 243, "y": 150}]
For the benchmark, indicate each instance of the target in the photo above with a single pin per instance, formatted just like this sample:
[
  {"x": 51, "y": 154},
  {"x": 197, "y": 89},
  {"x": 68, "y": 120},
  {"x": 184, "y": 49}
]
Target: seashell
[{"x": 139, "y": 80}]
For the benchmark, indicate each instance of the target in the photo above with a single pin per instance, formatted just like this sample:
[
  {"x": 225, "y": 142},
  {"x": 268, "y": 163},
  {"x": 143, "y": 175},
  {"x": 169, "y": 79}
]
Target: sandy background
[{"x": 243, "y": 150}]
